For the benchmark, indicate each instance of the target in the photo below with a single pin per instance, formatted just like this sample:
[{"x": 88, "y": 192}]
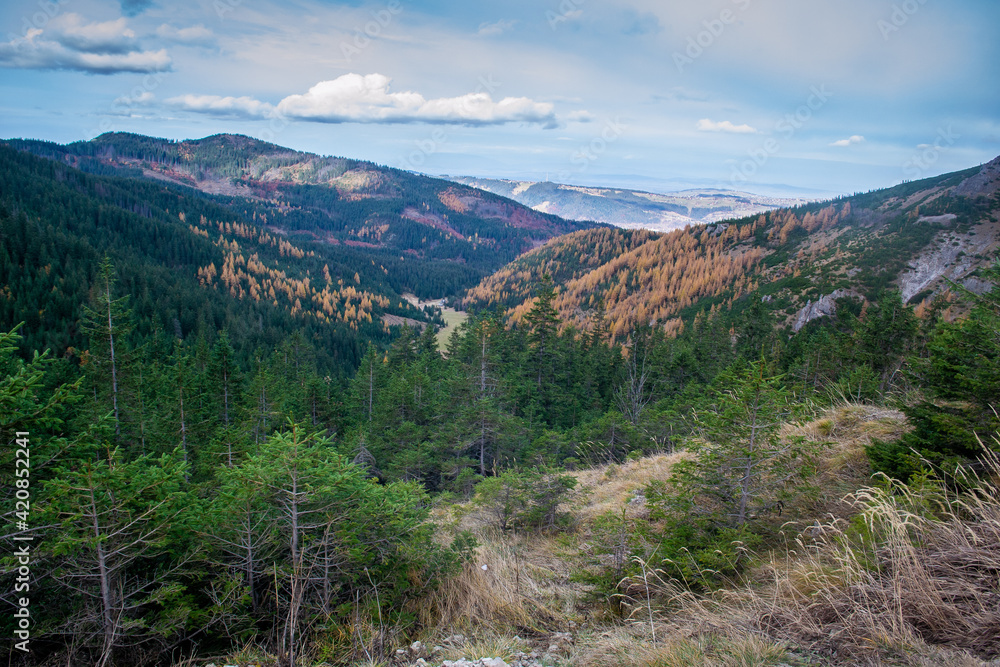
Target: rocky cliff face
[
  {"x": 984, "y": 184},
  {"x": 825, "y": 306},
  {"x": 952, "y": 258}
]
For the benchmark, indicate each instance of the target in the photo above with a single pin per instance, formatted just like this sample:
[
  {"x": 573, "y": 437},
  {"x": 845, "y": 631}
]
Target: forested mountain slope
[
  {"x": 233, "y": 233},
  {"x": 189, "y": 265},
  {"x": 915, "y": 237},
  {"x": 331, "y": 200}
]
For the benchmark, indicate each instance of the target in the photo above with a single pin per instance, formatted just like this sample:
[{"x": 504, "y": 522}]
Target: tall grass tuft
[{"x": 919, "y": 565}]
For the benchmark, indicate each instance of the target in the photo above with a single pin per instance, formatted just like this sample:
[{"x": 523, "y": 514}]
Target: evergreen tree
[
  {"x": 961, "y": 374},
  {"x": 107, "y": 322},
  {"x": 543, "y": 323},
  {"x": 116, "y": 520},
  {"x": 883, "y": 337},
  {"x": 742, "y": 470}
]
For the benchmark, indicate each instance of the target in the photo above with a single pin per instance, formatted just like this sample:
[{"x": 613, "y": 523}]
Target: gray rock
[{"x": 824, "y": 307}]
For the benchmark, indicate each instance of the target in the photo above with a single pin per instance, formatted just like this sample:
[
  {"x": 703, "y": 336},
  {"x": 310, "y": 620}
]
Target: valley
[
  {"x": 453, "y": 319},
  {"x": 549, "y": 470}
]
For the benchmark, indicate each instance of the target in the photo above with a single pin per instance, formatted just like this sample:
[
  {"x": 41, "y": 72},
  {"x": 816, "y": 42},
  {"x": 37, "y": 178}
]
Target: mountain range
[
  {"x": 330, "y": 200},
  {"x": 260, "y": 233},
  {"x": 922, "y": 238},
  {"x": 232, "y": 233},
  {"x": 631, "y": 209}
]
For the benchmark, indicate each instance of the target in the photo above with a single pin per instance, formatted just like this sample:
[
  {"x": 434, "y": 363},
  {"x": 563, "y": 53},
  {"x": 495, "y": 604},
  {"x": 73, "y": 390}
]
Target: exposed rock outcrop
[
  {"x": 825, "y": 306},
  {"x": 984, "y": 184}
]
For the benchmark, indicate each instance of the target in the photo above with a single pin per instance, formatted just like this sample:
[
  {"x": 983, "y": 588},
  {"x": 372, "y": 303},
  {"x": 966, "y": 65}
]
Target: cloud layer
[
  {"x": 68, "y": 42},
  {"x": 355, "y": 98}
]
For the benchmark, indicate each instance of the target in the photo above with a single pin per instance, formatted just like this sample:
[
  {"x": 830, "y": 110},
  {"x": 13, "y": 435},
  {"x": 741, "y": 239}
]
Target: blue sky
[{"x": 770, "y": 96}]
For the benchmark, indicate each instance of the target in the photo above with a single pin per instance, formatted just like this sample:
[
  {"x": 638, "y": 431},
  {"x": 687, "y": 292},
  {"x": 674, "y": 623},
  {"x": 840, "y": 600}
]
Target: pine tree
[
  {"x": 883, "y": 337},
  {"x": 742, "y": 470},
  {"x": 107, "y": 322},
  {"x": 543, "y": 323},
  {"x": 116, "y": 520},
  {"x": 961, "y": 377}
]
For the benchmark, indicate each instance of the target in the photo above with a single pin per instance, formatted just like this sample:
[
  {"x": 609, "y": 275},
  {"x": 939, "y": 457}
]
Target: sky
[{"x": 782, "y": 97}]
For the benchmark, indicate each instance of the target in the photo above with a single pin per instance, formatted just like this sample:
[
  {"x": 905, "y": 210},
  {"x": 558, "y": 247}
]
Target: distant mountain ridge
[
  {"x": 330, "y": 200},
  {"x": 920, "y": 238},
  {"x": 631, "y": 209}
]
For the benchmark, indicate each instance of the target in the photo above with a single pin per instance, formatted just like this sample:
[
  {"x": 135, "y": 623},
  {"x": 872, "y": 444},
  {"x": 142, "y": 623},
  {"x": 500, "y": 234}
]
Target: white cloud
[
  {"x": 706, "y": 125},
  {"x": 196, "y": 35},
  {"x": 244, "y": 107},
  {"x": 580, "y": 116},
  {"x": 366, "y": 99},
  {"x": 850, "y": 141},
  {"x": 74, "y": 33},
  {"x": 34, "y": 53},
  {"x": 353, "y": 98},
  {"x": 497, "y": 28},
  {"x": 69, "y": 43}
]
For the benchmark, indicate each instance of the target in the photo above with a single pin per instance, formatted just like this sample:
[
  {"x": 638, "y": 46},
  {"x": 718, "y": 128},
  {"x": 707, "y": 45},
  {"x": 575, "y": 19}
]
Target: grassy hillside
[{"x": 860, "y": 573}]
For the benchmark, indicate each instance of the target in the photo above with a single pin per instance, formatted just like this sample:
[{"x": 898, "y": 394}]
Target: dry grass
[
  {"x": 845, "y": 430},
  {"x": 920, "y": 568},
  {"x": 608, "y": 488},
  {"x": 895, "y": 575},
  {"x": 633, "y": 646},
  {"x": 913, "y": 579},
  {"x": 527, "y": 581},
  {"x": 507, "y": 594}
]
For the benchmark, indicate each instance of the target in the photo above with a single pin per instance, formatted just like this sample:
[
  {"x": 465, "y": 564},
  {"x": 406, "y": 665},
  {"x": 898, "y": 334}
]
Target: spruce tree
[{"x": 107, "y": 321}]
